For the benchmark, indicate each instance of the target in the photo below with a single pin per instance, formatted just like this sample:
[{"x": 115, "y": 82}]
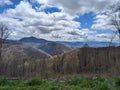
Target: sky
[{"x": 59, "y": 20}]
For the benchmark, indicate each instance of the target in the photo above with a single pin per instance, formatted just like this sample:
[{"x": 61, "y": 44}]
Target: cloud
[
  {"x": 103, "y": 36},
  {"x": 73, "y": 33},
  {"x": 26, "y": 20},
  {"x": 102, "y": 22},
  {"x": 41, "y": 1},
  {"x": 3, "y": 2},
  {"x": 82, "y": 6}
]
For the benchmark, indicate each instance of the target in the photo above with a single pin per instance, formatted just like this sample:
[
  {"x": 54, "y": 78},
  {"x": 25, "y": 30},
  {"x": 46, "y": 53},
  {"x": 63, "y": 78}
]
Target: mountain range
[
  {"x": 59, "y": 57},
  {"x": 34, "y": 48},
  {"x": 72, "y": 44},
  {"x": 52, "y": 48},
  {"x": 95, "y": 44}
]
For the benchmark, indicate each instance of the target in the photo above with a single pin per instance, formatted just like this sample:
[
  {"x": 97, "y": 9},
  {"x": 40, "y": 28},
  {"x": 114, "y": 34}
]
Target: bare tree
[
  {"x": 4, "y": 34},
  {"x": 112, "y": 38},
  {"x": 116, "y": 23},
  {"x": 115, "y": 20}
]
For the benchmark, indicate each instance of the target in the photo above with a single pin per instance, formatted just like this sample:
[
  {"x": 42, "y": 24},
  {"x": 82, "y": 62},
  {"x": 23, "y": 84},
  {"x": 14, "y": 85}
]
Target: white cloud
[
  {"x": 41, "y": 1},
  {"x": 82, "y": 6},
  {"x": 26, "y": 20},
  {"x": 106, "y": 37},
  {"x": 102, "y": 22}
]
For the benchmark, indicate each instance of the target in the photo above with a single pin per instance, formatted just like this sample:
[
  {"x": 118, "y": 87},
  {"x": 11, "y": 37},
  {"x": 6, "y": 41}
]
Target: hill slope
[
  {"x": 88, "y": 60},
  {"x": 22, "y": 52},
  {"x": 50, "y": 47}
]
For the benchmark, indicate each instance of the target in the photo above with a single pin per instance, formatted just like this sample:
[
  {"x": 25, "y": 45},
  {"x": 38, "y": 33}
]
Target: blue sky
[
  {"x": 86, "y": 20},
  {"x": 57, "y": 20}
]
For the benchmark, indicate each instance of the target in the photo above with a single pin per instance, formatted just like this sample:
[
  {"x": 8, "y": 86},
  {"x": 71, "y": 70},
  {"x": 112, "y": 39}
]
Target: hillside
[
  {"x": 22, "y": 52},
  {"x": 88, "y": 60},
  {"x": 25, "y": 61},
  {"x": 38, "y": 57},
  {"x": 50, "y": 47}
]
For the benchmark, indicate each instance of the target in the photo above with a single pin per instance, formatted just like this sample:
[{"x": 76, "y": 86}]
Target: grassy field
[{"x": 75, "y": 83}]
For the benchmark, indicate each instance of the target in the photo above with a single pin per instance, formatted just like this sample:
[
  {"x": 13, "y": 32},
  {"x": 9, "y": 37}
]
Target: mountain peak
[{"x": 32, "y": 39}]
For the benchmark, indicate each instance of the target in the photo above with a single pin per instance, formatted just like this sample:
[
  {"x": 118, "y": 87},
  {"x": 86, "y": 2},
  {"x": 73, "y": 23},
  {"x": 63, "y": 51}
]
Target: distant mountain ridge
[
  {"x": 69, "y": 44},
  {"x": 89, "y": 43},
  {"x": 31, "y": 48},
  {"x": 77, "y": 44},
  {"x": 50, "y": 47},
  {"x": 32, "y": 39}
]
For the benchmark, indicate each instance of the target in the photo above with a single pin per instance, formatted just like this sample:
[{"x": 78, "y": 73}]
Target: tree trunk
[{"x": 0, "y": 59}]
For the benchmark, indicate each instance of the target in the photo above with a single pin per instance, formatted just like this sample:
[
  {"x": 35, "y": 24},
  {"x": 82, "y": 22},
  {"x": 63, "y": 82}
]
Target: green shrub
[
  {"x": 100, "y": 79},
  {"x": 34, "y": 82},
  {"x": 6, "y": 88},
  {"x": 102, "y": 86},
  {"x": 117, "y": 81},
  {"x": 88, "y": 84},
  {"x": 4, "y": 82},
  {"x": 57, "y": 84},
  {"x": 54, "y": 88},
  {"x": 76, "y": 81}
]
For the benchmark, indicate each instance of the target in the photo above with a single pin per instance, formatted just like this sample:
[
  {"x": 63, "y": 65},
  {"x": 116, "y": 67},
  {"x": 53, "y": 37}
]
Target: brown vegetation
[
  {"x": 86, "y": 60},
  {"x": 89, "y": 60}
]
